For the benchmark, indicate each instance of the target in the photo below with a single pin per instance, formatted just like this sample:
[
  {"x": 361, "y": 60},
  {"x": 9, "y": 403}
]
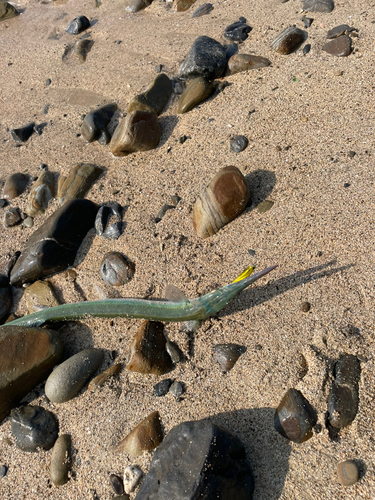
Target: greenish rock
[
  {"x": 196, "y": 91},
  {"x": 80, "y": 179},
  {"x": 40, "y": 295},
  {"x": 154, "y": 98},
  {"x": 61, "y": 460},
  {"x": 7, "y": 11},
  {"x": 264, "y": 206}
]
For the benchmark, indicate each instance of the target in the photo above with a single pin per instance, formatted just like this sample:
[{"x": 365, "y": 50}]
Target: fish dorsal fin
[
  {"x": 174, "y": 294},
  {"x": 249, "y": 270}
]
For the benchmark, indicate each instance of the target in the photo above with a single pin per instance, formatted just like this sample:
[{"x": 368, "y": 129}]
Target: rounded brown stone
[
  {"x": 244, "y": 62},
  {"x": 146, "y": 436},
  {"x": 347, "y": 472}
]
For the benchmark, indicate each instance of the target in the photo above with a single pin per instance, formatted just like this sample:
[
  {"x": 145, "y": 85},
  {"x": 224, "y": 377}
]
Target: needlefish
[{"x": 184, "y": 310}]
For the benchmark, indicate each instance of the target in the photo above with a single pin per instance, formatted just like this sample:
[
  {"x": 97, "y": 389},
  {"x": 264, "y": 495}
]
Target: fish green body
[{"x": 158, "y": 310}]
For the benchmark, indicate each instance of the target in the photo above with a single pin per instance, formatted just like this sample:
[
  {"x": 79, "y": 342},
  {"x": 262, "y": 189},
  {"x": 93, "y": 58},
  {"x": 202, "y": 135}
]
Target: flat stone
[
  {"x": 22, "y": 134},
  {"x": 40, "y": 295},
  {"x": 117, "y": 484},
  {"x": 202, "y": 10},
  {"x": 27, "y": 356},
  {"x": 244, "y": 62},
  {"x": 41, "y": 194},
  {"x": 182, "y": 5},
  {"x": 6, "y": 297},
  {"x": 146, "y": 436},
  {"x": 33, "y": 427},
  {"x": 94, "y": 125},
  {"x": 224, "y": 199},
  {"x": 78, "y": 182},
  {"x": 318, "y": 5},
  {"x": 12, "y": 217},
  {"x": 15, "y": 185},
  {"x": 139, "y": 131},
  {"x": 347, "y": 473},
  {"x": 198, "y": 460},
  {"x": 264, "y": 206},
  {"x": 339, "y": 47},
  {"x": 148, "y": 352},
  {"x": 295, "y": 417},
  {"x": 342, "y": 29},
  {"x": 69, "y": 377},
  {"x": 61, "y": 460},
  {"x": 78, "y": 25},
  {"x": 137, "y": 5},
  {"x": 54, "y": 245},
  {"x": 196, "y": 91},
  {"x": 7, "y": 11},
  {"x": 155, "y": 97},
  {"x": 206, "y": 58},
  {"x": 3, "y": 471},
  {"x": 343, "y": 398}
]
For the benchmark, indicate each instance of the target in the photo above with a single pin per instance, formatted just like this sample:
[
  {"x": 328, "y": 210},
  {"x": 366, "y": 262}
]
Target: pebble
[
  {"x": 288, "y": 40},
  {"x": 264, "y": 206},
  {"x": 352, "y": 154},
  {"x": 12, "y": 217},
  {"x": 239, "y": 143},
  {"x": 22, "y": 134},
  {"x": 164, "y": 209},
  {"x": 177, "y": 389},
  {"x": 3, "y": 471},
  {"x": 227, "y": 355},
  {"x": 117, "y": 484},
  {"x": 61, "y": 460},
  {"x": 137, "y": 5},
  {"x": 238, "y": 31},
  {"x": 339, "y": 47},
  {"x": 347, "y": 473},
  {"x": 305, "y": 307},
  {"x": 244, "y": 62},
  {"x": 132, "y": 477},
  {"x": 78, "y": 182},
  {"x": 116, "y": 269},
  {"x": 318, "y": 5},
  {"x": 306, "y": 49},
  {"x": 162, "y": 387},
  {"x": 206, "y": 58},
  {"x": 53, "y": 246},
  {"x": 68, "y": 378},
  {"x": 102, "y": 378},
  {"x": 295, "y": 417},
  {"x": 7, "y": 11},
  {"x": 224, "y": 199},
  {"x": 202, "y": 10},
  {"x": 154, "y": 98},
  {"x": 94, "y": 125},
  {"x": 147, "y": 353},
  {"x": 6, "y": 297},
  {"x": 15, "y": 185},
  {"x": 197, "y": 90},
  {"x": 108, "y": 222},
  {"x": 139, "y": 131},
  {"x": 40, "y": 295},
  {"x": 146, "y": 436},
  {"x": 343, "y": 398},
  {"x": 28, "y": 222},
  {"x": 337, "y": 31},
  {"x": 34, "y": 427},
  {"x": 41, "y": 194},
  {"x": 45, "y": 109},
  {"x": 48, "y": 82},
  {"x": 78, "y": 25},
  {"x": 182, "y": 5},
  {"x": 174, "y": 352},
  {"x": 307, "y": 21}
]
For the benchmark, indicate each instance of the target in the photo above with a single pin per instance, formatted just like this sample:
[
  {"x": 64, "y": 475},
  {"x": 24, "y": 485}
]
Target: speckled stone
[
  {"x": 132, "y": 476},
  {"x": 69, "y": 377},
  {"x": 239, "y": 143},
  {"x": 206, "y": 58},
  {"x": 61, "y": 460},
  {"x": 15, "y": 185},
  {"x": 162, "y": 387},
  {"x": 40, "y": 295},
  {"x": 347, "y": 473},
  {"x": 116, "y": 269},
  {"x": 339, "y": 47},
  {"x": 146, "y": 436},
  {"x": 34, "y": 427}
]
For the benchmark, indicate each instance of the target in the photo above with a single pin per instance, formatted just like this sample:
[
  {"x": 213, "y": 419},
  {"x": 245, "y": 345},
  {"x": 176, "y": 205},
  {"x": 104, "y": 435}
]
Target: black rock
[
  {"x": 3, "y": 471},
  {"x": 239, "y": 143},
  {"x": 6, "y": 297},
  {"x": 237, "y": 32},
  {"x": 117, "y": 484},
  {"x": 162, "y": 387},
  {"x": 164, "y": 209},
  {"x": 198, "y": 460},
  {"x": 94, "y": 125},
  {"x": 54, "y": 245},
  {"x": 10, "y": 263},
  {"x": 307, "y": 21},
  {"x": 206, "y": 58},
  {"x": 343, "y": 398},
  {"x": 3, "y": 203},
  {"x": 306, "y": 48},
  {"x": 34, "y": 427},
  {"x": 78, "y": 25},
  {"x": 22, "y": 134},
  {"x": 206, "y": 8},
  {"x": 108, "y": 222}
]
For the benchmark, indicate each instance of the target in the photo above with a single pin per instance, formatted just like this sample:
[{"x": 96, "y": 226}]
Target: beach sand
[{"x": 302, "y": 119}]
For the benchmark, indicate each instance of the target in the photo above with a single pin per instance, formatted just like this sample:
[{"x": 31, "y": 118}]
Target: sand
[{"x": 319, "y": 232}]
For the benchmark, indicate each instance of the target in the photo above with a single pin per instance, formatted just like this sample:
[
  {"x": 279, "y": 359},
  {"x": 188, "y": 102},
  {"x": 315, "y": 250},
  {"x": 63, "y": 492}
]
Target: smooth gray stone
[
  {"x": 95, "y": 123},
  {"x": 206, "y": 58},
  {"x": 68, "y": 378},
  {"x": 318, "y": 5},
  {"x": 198, "y": 460},
  {"x": 34, "y": 427},
  {"x": 61, "y": 460},
  {"x": 206, "y": 8}
]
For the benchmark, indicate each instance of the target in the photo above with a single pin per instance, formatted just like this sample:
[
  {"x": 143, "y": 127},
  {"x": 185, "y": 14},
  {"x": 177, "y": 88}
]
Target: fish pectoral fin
[
  {"x": 245, "y": 274},
  {"x": 174, "y": 294}
]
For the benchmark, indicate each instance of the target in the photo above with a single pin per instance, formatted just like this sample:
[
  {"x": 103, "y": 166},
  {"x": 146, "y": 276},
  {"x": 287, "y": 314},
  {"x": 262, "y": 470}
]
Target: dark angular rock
[
  {"x": 204, "y": 9},
  {"x": 108, "y": 222},
  {"x": 343, "y": 398},
  {"x": 206, "y": 58},
  {"x": 34, "y": 427},
  {"x": 10, "y": 263},
  {"x": 306, "y": 48},
  {"x": 27, "y": 356},
  {"x": 295, "y": 417},
  {"x": 198, "y": 460},
  {"x": 162, "y": 387},
  {"x": 239, "y": 143},
  {"x": 339, "y": 47},
  {"x": 22, "y": 134},
  {"x": 307, "y": 21},
  {"x": 117, "y": 484},
  {"x": 237, "y": 32},
  {"x": 54, "y": 245},
  {"x": 318, "y": 5},
  {"x": 78, "y": 51},
  {"x": 94, "y": 125},
  {"x": 6, "y": 297},
  {"x": 78, "y": 25}
]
